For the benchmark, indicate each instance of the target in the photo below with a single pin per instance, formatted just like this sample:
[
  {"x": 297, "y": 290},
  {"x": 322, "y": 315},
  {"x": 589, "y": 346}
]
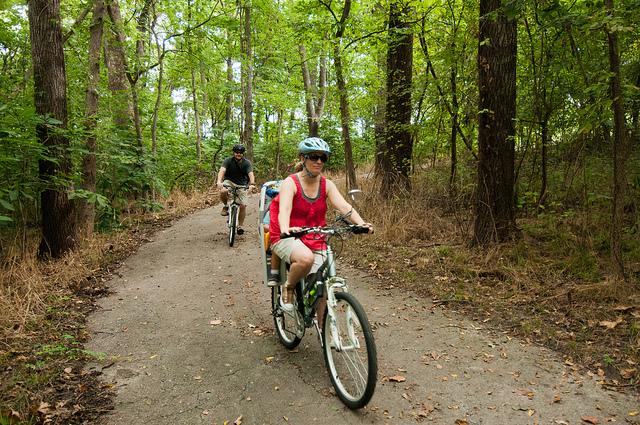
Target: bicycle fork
[{"x": 337, "y": 283}]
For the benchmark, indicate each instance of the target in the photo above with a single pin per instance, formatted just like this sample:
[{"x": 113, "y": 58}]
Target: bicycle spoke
[
  {"x": 286, "y": 325},
  {"x": 351, "y": 359}
]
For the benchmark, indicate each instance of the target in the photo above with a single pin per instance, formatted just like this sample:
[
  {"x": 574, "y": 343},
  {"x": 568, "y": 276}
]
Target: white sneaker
[{"x": 286, "y": 307}]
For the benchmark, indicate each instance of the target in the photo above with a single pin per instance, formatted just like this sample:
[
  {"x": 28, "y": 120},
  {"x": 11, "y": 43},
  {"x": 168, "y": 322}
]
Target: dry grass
[
  {"x": 42, "y": 308},
  {"x": 549, "y": 285},
  {"x": 539, "y": 286}
]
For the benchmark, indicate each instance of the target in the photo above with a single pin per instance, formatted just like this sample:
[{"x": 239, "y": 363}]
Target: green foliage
[{"x": 19, "y": 156}]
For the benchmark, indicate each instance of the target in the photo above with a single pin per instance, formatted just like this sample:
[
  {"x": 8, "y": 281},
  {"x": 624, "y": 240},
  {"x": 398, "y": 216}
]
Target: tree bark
[
  {"x": 228, "y": 117},
  {"x": 196, "y": 113},
  {"x": 156, "y": 109},
  {"x": 454, "y": 133},
  {"x": 345, "y": 115},
  {"x": 314, "y": 100},
  {"x": 59, "y": 226},
  {"x": 396, "y": 164},
  {"x": 115, "y": 61},
  {"x": 247, "y": 68},
  {"x": 86, "y": 210},
  {"x": 380, "y": 119},
  {"x": 620, "y": 149},
  {"x": 497, "y": 51}
]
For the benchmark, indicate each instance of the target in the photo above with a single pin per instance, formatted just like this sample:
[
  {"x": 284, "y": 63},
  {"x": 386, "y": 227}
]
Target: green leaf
[{"x": 7, "y": 205}]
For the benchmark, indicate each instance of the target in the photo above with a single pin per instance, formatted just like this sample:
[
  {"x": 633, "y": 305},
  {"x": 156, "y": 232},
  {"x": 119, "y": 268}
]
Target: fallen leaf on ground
[
  {"x": 397, "y": 378},
  {"x": 590, "y": 419},
  {"x": 611, "y": 325},
  {"x": 629, "y": 373}
]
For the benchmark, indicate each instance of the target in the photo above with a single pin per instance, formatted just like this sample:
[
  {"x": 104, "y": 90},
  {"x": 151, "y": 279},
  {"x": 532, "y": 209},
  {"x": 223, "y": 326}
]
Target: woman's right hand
[{"x": 290, "y": 229}]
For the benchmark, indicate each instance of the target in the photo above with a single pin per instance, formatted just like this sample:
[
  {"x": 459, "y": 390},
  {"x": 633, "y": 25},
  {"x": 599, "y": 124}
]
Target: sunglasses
[{"x": 314, "y": 157}]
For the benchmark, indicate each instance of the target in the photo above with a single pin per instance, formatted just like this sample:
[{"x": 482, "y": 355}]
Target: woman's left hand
[{"x": 369, "y": 225}]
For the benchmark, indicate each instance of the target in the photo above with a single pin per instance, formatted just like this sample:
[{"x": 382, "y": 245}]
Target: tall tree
[
  {"x": 314, "y": 100},
  {"x": 196, "y": 114},
  {"x": 59, "y": 226},
  {"x": 116, "y": 62},
  {"x": 247, "y": 82},
  {"x": 396, "y": 163},
  {"x": 345, "y": 115},
  {"x": 380, "y": 117},
  {"x": 86, "y": 209},
  {"x": 497, "y": 50},
  {"x": 620, "y": 143}
]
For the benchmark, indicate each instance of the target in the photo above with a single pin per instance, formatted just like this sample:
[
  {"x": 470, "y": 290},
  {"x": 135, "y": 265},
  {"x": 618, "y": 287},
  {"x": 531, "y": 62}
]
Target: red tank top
[{"x": 305, "y": 211}]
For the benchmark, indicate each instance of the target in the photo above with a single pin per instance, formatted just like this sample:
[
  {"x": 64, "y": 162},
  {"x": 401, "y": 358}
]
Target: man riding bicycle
[{"x": 236, "y": 171}]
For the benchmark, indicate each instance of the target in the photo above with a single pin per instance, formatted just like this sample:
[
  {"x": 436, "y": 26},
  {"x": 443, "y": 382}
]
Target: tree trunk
[
  {"x": 122, "y": 82},
  {"x": 380, "y": 120},
  {"x": 344, "y": 120},
  {"x": 196, "y": 113},
  {"x": 544, "y": 160},
  {"x": 205, "y": 97},
  {"x": 314, "y": 101},
  {"x": 454, "y": 133},
  {"x": 497, "y": 50},
  {"x": 396, "y": 164},
  {"x": 228, "y": 117},
  {"x": 59, "y": 226},
  {"x": 86, "y": 213},
  {"x": 345, "y": 116},
  {"x": 156, "y": 108},
  {"x": 115, "y": 61},
  {"x": 620, "y": 138},
  {"x": 247, "y": 68}
]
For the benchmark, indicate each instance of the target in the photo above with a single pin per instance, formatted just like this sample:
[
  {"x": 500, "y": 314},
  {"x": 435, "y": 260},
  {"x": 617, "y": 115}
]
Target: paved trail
[{"x": 190, "y": 340}]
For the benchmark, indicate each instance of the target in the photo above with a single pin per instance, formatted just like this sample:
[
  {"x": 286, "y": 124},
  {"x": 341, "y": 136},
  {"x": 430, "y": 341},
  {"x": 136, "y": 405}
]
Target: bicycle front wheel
[
  {"x": 352, "y": 361},
  {"x": 233, "y": 222},
  {"x": 288, "y": 327}
]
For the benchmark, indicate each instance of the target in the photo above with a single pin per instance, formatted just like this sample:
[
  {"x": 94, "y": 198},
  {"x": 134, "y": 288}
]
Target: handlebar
[
  {"x": 235, "y": 188},
  {"x": 330, "y": 231}
]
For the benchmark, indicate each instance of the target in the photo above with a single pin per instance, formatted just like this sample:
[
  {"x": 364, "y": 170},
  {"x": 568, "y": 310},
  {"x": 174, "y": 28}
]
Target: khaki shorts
[
  {"x": 242, "y": 194},
  {"x": 285, "y": 247}
]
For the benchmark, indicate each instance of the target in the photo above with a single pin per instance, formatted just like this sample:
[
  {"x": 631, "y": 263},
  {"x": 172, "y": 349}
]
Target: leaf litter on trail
[{"x": 396, "y": 378}]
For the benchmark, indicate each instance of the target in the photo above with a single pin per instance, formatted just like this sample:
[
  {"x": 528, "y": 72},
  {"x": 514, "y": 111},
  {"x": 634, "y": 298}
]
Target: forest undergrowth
[{"x": 549, "y": 285}]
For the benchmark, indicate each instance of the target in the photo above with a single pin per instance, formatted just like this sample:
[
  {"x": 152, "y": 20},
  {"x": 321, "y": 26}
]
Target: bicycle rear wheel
[
  {"x": 352, "y": 361},
  {"x": 233, "y": 222},
  {"x": 287, "y": 327}
]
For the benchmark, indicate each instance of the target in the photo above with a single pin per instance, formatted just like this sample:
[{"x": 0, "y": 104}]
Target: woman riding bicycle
[{"x": 303, "y": 202}]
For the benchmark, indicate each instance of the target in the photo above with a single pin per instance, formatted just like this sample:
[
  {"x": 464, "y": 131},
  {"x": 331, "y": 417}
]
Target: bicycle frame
[
  {"x": 330, "y": 282},
  {"x": 345, "y": 334},
  {"x": 234, "y": 211}
]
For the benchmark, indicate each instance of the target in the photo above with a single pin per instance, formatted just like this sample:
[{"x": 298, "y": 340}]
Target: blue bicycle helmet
[
  {"x": 313, "y": 144},
  {"x": 239, "y": 148}
]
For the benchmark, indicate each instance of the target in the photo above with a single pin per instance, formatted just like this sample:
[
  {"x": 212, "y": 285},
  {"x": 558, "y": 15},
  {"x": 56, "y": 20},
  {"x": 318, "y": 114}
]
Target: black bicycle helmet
[{"x": 239, "y": 148}]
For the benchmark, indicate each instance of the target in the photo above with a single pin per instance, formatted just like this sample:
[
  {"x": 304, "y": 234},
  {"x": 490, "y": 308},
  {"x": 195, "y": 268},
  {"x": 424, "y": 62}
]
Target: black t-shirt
[{"x": 237, "y": 172}]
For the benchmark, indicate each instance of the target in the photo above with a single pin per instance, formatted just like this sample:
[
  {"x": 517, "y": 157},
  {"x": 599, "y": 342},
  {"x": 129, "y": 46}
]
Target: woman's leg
[{"x": 301, "y": 263}]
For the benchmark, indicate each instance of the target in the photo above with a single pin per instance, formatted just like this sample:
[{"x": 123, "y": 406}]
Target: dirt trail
[{"x": 190, "y": 340}]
